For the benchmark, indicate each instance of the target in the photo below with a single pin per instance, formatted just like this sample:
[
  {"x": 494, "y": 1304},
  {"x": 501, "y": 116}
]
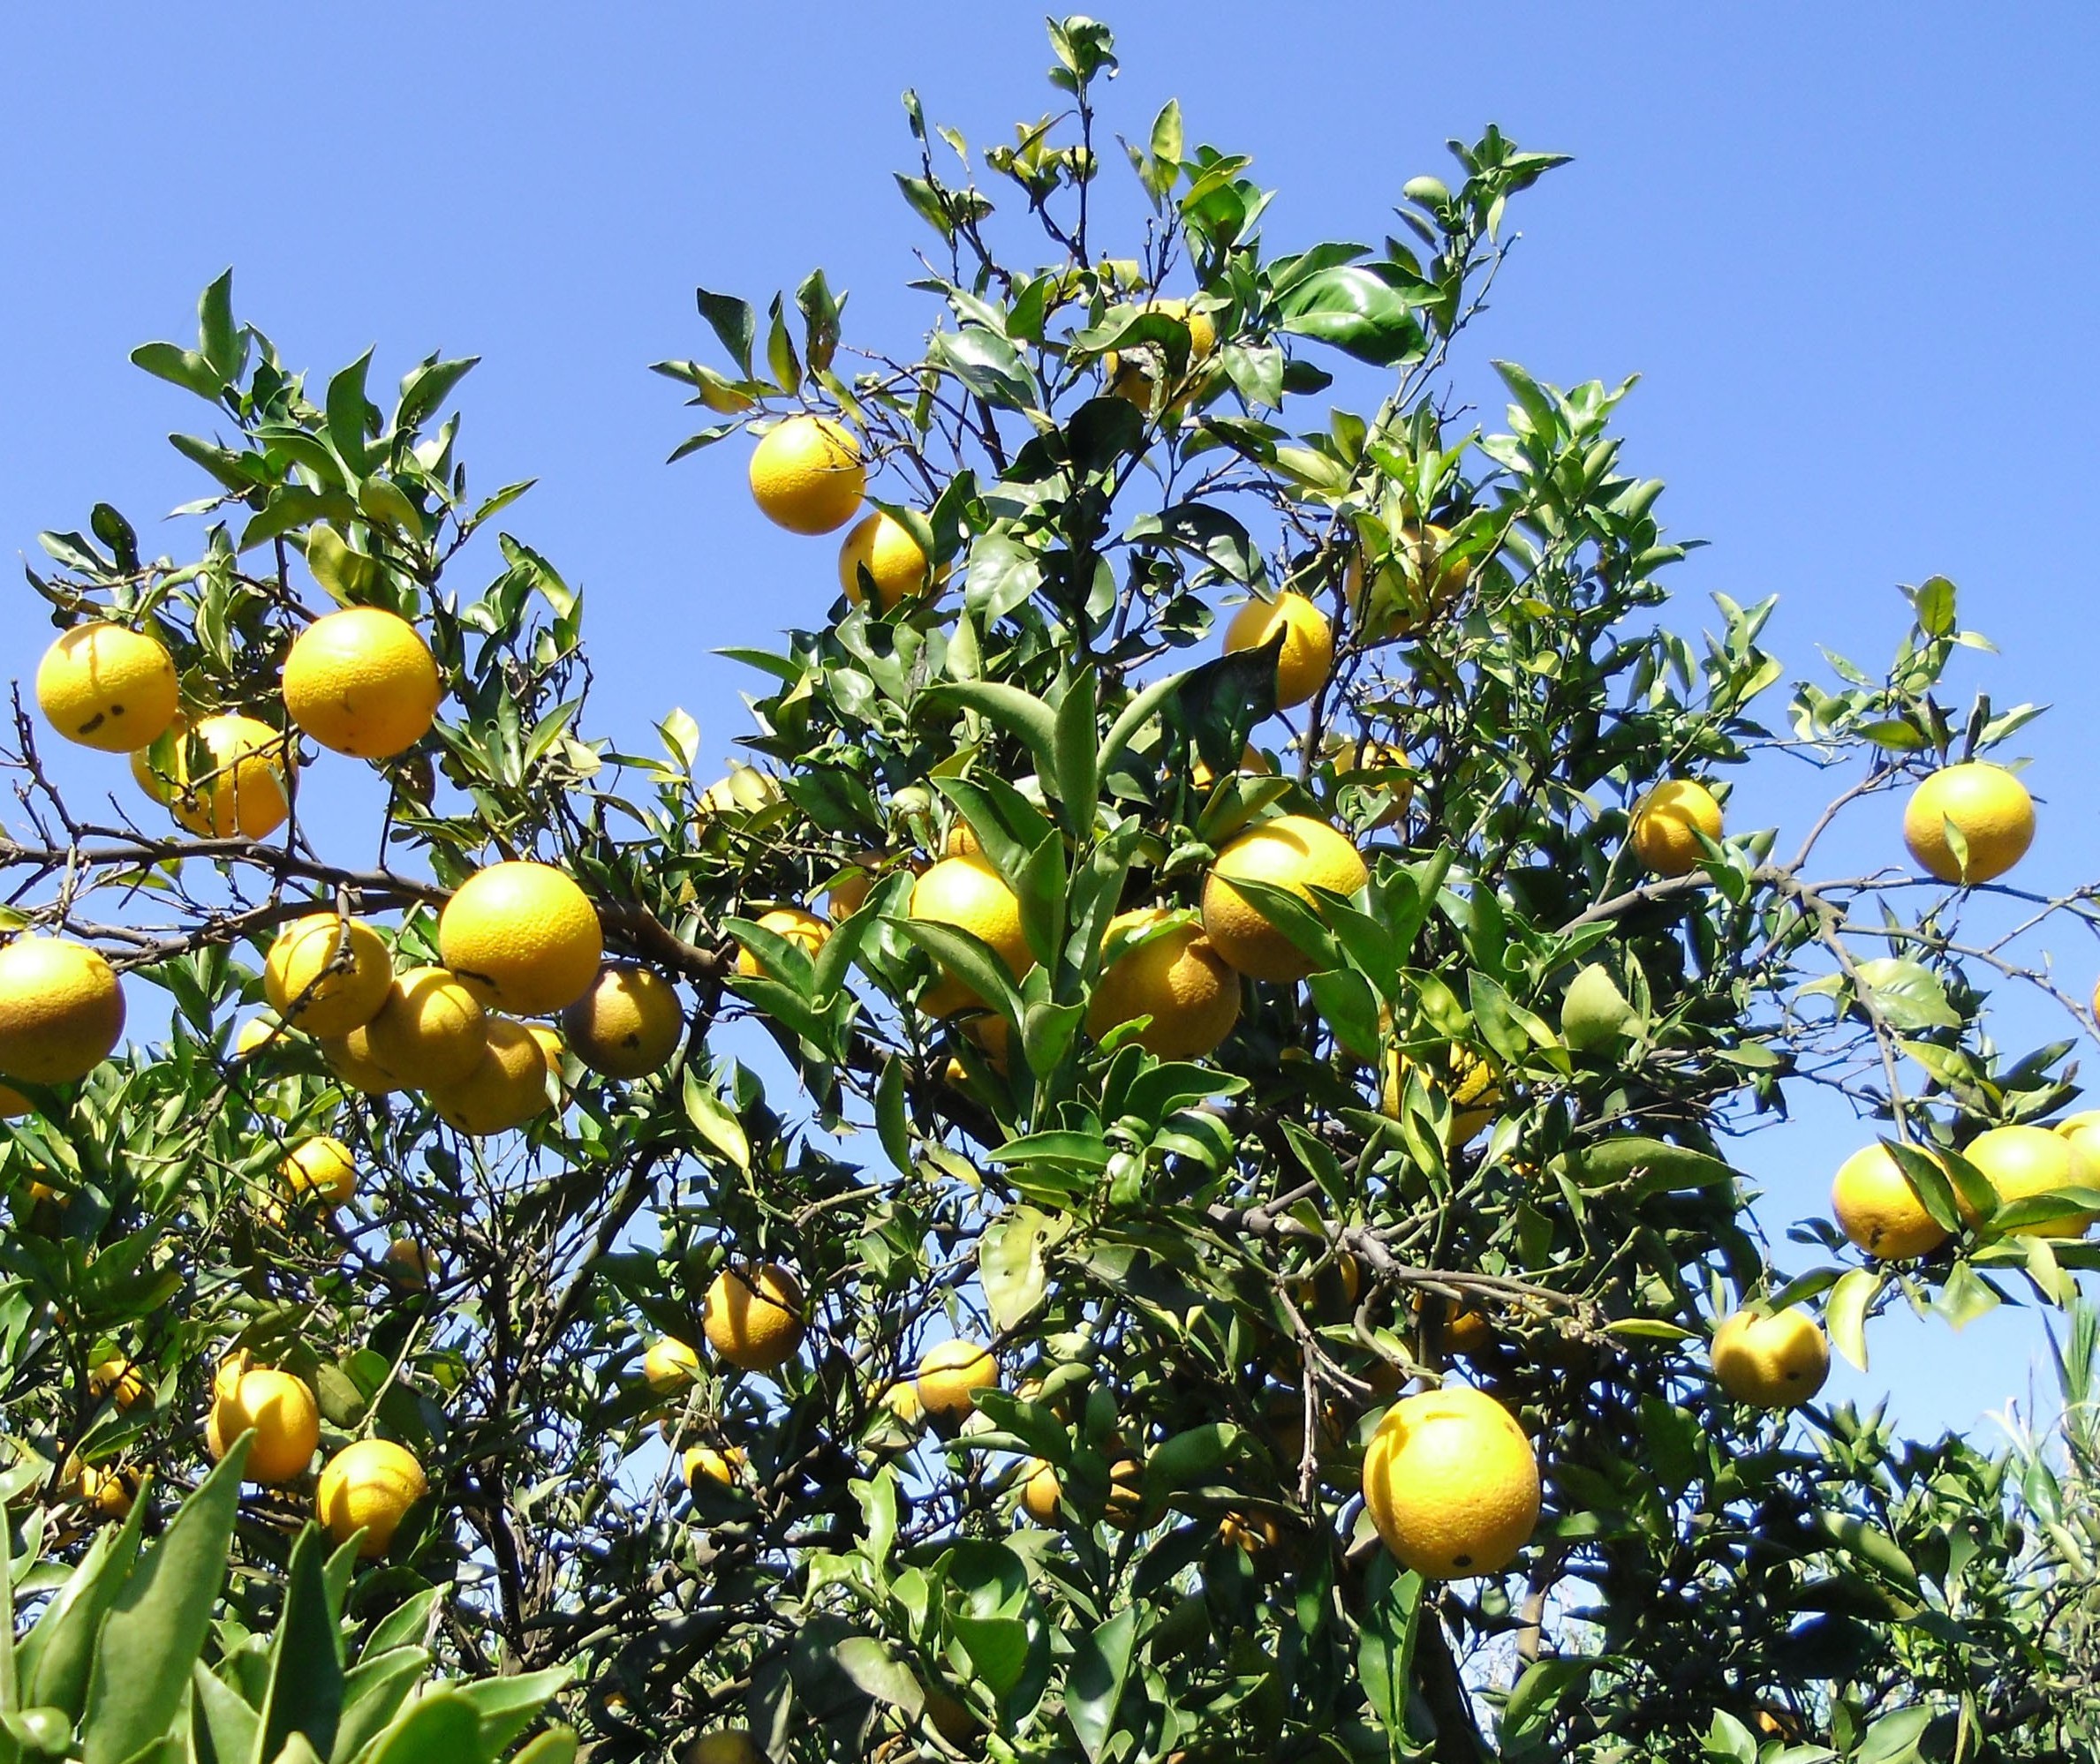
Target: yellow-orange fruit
[
  {"x": 328, "y": 975},
  {"x": 1190, "y": 992},
  {"x": 951, "y": 1374},
  {"x": 1772, "y": 1362},
  {"x": 628, "y": 1024},
  {"x": 523, "y": 936},
  {"x": 1987, "y": 806},
  {"x": 61, "y": 1010},
  {"x": 362, "y": 681},
  {"x": 753, "y": 1315},
  {"x": 507, "y": 1088},
  {"x": 1878, "y": 1209},
  {"x": 1667, "y": 823},
  {"x": 369, "y": 1485},
  {"x": 107, "y": 687},
  {"x": 1307, "y": 656},
  {"x": 1294, "y": 852},
  {"x": 806, "y": 475},
  {"x": 1451, "y": 1483}
]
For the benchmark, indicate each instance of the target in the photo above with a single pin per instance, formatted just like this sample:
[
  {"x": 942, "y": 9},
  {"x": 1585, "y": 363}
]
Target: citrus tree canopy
[{"x": 1148, "y": 1177}]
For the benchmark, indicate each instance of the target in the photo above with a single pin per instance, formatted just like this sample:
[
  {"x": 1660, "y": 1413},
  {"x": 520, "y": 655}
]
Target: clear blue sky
[{"x": 1852, "y": 250}]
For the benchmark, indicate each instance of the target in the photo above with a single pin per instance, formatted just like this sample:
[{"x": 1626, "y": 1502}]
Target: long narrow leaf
[
  {"x": 305, "y": 1671},
  {"x": 151, "y": 1639}
]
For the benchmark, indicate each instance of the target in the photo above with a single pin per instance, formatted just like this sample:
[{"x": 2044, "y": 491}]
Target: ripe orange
[
  {"x": 323, "y": 1168},
  {"x": 1451, "y": 1483},
  {"x": 119, "y": 1380},
  {"x": 284, "y": 1413},
  {"x": 226, "y": 780},
  {"x": 430, "y": 1030},
  {"x": 107, "y": 687},
  {"x": 1308, "y": 654},
  {"x": 1772, "y": 1362},
  {"x": 669, "y": 1366},
  {"x": 753, "y": 1315},
  {"x": 2020, "y": 1161},
  {"x": 1132, "y": 374},
  {"x": 328, "y": 975},
  {"x": 806, "y": 475},
  {"x": 61, "y": 1010},
  {"x": 716, "y": 1466},
  {"x": 1176, "y": 978},
  {"x": 1986, "y": 805},
  {"x": 369, "y": 1485},
  {"x": 1666, "y": 822},
  {"x": 1041, "y": 1493},
  {"x": 1876, "y": 1209},
  {"x": 507, "y": 1088},
  {"x": 795, "y": 925},
  {"x": 951, "y": 1374},
  {"x": 1291, "y": 851},
  {"x": 523, "y": 936},
  {"x": 362, "y": 681},
  {"x": 968, "y": 894},
  {"x": 884, "y": 549},
  {"x": 628, "y": 1024}
]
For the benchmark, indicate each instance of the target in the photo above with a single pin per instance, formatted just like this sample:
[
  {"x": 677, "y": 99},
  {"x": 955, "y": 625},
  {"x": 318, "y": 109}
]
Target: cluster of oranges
[
  {"x": 517, "y": 940},
  {"x": 1450, "y": 1479}
]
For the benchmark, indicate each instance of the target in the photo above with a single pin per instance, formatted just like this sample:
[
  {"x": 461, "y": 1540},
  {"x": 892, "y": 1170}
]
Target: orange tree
[{"x": 1235, "y": 1246}]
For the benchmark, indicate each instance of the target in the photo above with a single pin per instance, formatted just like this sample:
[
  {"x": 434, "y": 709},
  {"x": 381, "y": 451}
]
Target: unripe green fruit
[{"x": 1594, "y": 1012}]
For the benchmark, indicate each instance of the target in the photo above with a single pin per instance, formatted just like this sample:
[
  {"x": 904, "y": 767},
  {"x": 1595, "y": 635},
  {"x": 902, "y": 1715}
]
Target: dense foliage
[{"x": 1204, "y": 1278}]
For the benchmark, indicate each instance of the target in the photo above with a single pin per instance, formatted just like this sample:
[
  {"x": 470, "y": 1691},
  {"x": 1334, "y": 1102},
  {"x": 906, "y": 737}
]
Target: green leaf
[
  {"x": 509, "y": 1705},
  {"x": 970, "y": 959},
  {"x": 373, "y": 1694},
  {"x": 997, "y": 1648},
  {"x": 10, "y": 1690},
  {"x": 1536, "y": 1697},
  {"x": 557, "y": 1746},
  {"x": 57, "y": 1656},
  {"x": 1907, "y": 994},
  {"x": 1844, "y": 1312},
  {"x": 988, "y": 364},
  {"x": 1010, "y": 1264},
  {"x": 1352, "y": 308},
  {"x": 1073, "y": 752},
  {"x": 442, "y": 1727},
  {"x": 181, "y": 367},
  {"x": 1928, "y": 1182},
  {"x": 877, "y": 1671},
  {"x": 347, "y": 575},
  {"x": 151, "y": 1639},
  {"x": 1094, "y": 1681},
  {"x": 890, "y": 1123},
  {"x": 230, "y": 1724},
  {"x": 734, "y": 323},
  {"x": 1009, "y": 828},
  {"x": 427, "y": 386},
  {"x": 219, "y": 340},
  {"x": 1133, "y": 716},
  {"x": 407, "y": 1626},
  {"x": 1289, "y": 913},
  {"x": 1729, "y": 1739},
  {"x": 1385, "y": 1644},
  {"x": 305, "y": 1671},
  {"x": 1027, "y": 719},
  {"x": 1869, "y": 1544},
  {"x": 1648, "y": 1167},
  {"x": 714, "y": 1122},
  {"x": 1893, "y": 1739},
  {"x": 350, "y": 415}
]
